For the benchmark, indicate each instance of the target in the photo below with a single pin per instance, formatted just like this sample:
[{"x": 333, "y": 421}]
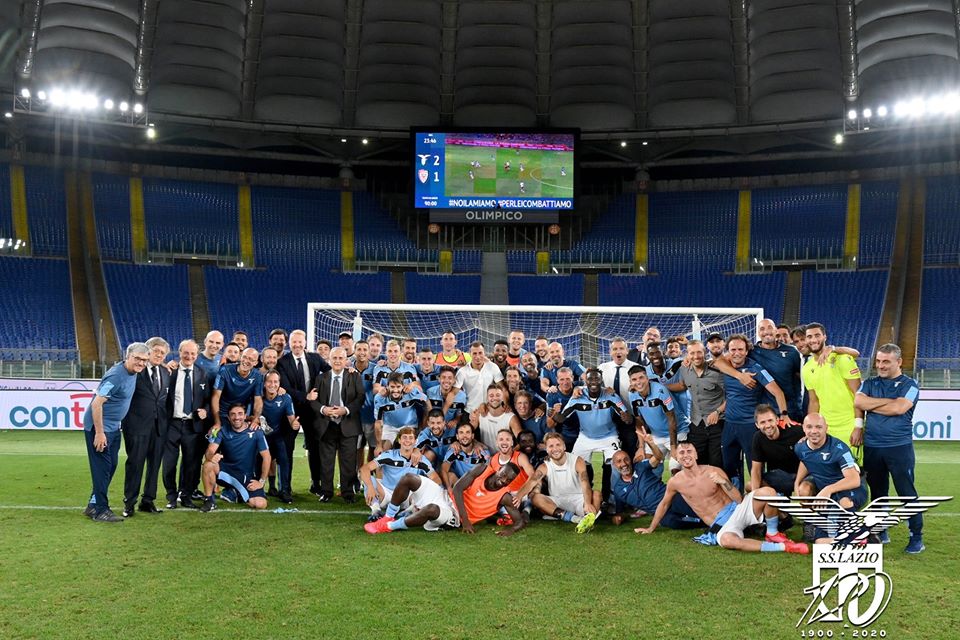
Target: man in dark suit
[
  {"x": 188, "y": 405},
  {"x": 298, "y": 369},
  {"x": 145, "y": 430},
  {"x": 339, "y": 398}
]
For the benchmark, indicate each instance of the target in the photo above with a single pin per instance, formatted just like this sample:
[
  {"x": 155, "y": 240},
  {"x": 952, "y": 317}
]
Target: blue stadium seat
[
  {"x": 36, "y": 305},
  {"x": 149, "y": 300},
  {"x": 47, "y": 208},
  {"x": 798, "y": 222},
  {"x": 610, "y": 238},
  {"x": 191, "y": 217},
  {"x": 878, "y": 221},
  {"x": 111, "y": 206},
  {"x": 6, "y": 209},
  {"x": 939, "y": 319},
  {"x": 442, "y": 289},
  {"x": 848, "y": 304},
  {"x": 941, "y": 230},
  {"x": 522, "y": 261},
  {"x": 693, "y": 231}
]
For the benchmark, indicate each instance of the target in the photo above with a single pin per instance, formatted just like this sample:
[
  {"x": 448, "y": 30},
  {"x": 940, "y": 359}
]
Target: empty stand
[
  {"x": 848, "y": 304},
  {"x": 111, "y": 203},
  {"x": 803, "y": 223},
  {"x": 36, "y": 310},
  {"x": 442, "y": 289},
  {"x": 941, "y": 227},
  {"x": 878, "y": 222},
  {"x": 47, "y": 211},
  {"x": 186, "y": 217},
  {"x": 296, "y": 227},
  {"x": 939, "y": 320},
  {"x": 693, "y": 231},
  {"x": 6, "y": 213},
  {"x": 611, "y": 237},
  {"x": 149, "y": 300}
]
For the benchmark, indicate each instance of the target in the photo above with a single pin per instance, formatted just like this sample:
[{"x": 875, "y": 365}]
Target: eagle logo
[{"x": 853, "y": 528}]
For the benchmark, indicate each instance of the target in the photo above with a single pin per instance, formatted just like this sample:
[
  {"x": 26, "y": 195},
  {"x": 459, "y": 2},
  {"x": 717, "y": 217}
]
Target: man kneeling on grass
[
  {"x": 230, "y": 460},
  {"x": 719, "y": 504}
]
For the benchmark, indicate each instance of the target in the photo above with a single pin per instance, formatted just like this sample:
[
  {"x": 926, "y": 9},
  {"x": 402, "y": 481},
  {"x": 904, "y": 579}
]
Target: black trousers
[
  {"x": 311, "y": 442},
  {"x": 185, "y": 444},
  {"x": 334, "y": 443},
  {"x": 707, "y": 440},
  {"x": 143, "y": 449}
]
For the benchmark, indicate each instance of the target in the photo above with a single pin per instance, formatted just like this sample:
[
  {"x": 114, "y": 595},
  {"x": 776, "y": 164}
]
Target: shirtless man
[{"x": 719, "y": 504}]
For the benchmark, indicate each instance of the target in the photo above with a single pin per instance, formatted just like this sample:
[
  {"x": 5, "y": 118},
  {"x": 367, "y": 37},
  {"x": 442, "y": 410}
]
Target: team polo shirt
[
  {"x": 551, "y": 374},
  {"x": 829, "y": 382},
  {"x": 741, "y": 401},
  {"x": 596, "y": 415},
  {"x": 827, "y": 463},
  {"x": 399, "y": 413},
  {"x": 779, "y": 453},
  {"x": 428, "y": 380},
  {"x": 435, "y": 395},
  {"x": 366, "y": 411},
  {"x": 235, "y": 389},
  {"x": 395, "y": 466},
  {"x": 644, "y": 491},
  {"x": 653, "y": 409},
  {"x": 210, "y": 365},
  {"x": 570, "y": 428},
  {"x": 681, "y": 399},
  {"x": 277, "y": 410},
  {"x": 117, "y": 387},
  {"x": 462, "y": 462},
  {"x": 783, "y": 363},
  {"x": 889, "y": 431},
  {"x": 239, "y": 448},
  {"x": 439, "y": 444},
  {"x": 405, "y": 369},
  {"x": 537, "y": 426}
]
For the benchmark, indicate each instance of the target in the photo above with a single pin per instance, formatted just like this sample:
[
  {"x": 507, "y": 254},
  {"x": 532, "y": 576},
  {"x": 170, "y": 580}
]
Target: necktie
[
  {"x": 187, "y": 394},
  {"x": 156, "y": 380},
  {"x": 335, "y": 395},
  {"x": 616, "y": 380},
  {"x": 300, "y": 372}
]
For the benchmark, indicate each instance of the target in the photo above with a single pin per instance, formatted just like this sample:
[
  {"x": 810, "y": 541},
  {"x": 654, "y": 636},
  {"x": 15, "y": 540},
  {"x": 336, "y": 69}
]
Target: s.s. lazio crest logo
[{"x": 849, "y": 584}]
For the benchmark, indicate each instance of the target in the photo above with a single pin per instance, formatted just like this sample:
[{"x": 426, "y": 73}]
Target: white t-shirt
[{"x": 474, "y": 383}]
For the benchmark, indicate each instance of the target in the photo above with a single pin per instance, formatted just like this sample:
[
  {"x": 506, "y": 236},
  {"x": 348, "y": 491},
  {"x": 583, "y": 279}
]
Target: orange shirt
[
  {"x": 520, "y": 480},
  {"x": 459, "y": 360},
  {"x": 481, "y": 503}
]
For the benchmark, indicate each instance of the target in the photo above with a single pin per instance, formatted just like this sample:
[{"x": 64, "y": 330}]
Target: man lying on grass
[{"x": 719, "y": 504}]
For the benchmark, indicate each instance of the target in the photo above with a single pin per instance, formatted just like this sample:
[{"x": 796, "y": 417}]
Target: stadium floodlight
[
  {"x": 343, "y": 139},
  {"x": 108, "y": 104},
  {"x": 916, "y": 108},
  {"x": 364, "y": 141},
  {"x": 900, "y": 109},
  {"x": 151, "y": 133},
  {"x": 838, "y": 139},
  {"x": 868, "y": 113},
  {"x": 25, "y": 93},
  {"x": 645, "y": 143},
  {"x": 623, "y": 143},
  {"x": 882, "y": 111},
  {"x": 41, "y": 95},
  {"x": 58, "y": 98},
  {"x": 8, "y": 114},
  {"x": 852, "y": 114},
  {"x": 90, "y": 101},
  {"x": 138, "y": 108},
  {"x": 585, "y": 332},
  {"x": 951, "y": 103},
  {"x": 124, "y": 106}
]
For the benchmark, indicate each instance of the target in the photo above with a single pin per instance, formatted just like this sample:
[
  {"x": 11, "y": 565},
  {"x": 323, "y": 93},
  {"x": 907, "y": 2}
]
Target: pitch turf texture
[
  {"x": 540, "y": 176},
  {"x": 234, "y": 573}
]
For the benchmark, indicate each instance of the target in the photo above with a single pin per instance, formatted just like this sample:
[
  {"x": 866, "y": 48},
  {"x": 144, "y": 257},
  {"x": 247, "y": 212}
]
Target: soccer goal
[{"x": 584, "y": 332}]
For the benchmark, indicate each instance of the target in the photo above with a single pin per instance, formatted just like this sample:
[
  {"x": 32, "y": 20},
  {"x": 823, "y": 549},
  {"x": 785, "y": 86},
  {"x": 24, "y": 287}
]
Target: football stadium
[{"x": 479, "y": 318}]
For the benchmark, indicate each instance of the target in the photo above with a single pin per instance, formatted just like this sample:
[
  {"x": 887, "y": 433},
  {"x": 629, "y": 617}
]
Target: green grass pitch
[
  {"x": 541, "y": 172},
  {"x": 234, "y": 573}
]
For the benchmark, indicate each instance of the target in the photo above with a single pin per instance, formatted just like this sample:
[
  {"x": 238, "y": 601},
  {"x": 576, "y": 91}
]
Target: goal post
[{"x": 584, "y": 332}]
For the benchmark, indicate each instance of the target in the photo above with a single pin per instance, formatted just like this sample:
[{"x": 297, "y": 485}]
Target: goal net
[{"x": 584, "y": 332}]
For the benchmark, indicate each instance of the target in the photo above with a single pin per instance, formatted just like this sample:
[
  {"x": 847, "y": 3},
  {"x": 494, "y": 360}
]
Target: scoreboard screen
[{"x": 520, "y": 170}]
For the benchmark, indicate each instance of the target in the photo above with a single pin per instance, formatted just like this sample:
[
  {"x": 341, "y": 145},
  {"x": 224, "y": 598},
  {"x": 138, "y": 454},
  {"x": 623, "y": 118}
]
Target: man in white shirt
[
  {"x": 474, "y": 378},
  {"x": 615, "y": 371}
]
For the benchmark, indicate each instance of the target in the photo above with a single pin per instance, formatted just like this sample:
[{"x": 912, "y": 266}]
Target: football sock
[
  {"x": 771, "y": 547},
  {"x": 772, "y": 523},
  {"x": 398, "y": 524},
  {"x": 392, "y": 510}
]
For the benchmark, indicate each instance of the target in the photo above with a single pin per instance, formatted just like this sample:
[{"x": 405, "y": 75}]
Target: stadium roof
[{"x": 300, "y": 73}]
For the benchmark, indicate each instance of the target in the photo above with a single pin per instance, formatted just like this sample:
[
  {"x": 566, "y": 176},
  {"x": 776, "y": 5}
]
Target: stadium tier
[
  {"x": 692, "y": 231},
  {"x": 826, "y": 297},
  {"x": 613, "y": 231},
  {"x": 6, "y": 213},
  {"x": 941, "y": 227},
  {"x": 547, "y": 290},
  {"x": 442, "y": 289},
  {"x": 295, "y": 228},
  {"x": 261, "y": 300},
  {"x": 522, "y": 261},
  {"x": 111, "y": 204},
  {"x": 149, "y": 300},
  {"x": 939, "y": 318},
  {"x": 467, "y": 261},
  {"x": 191, "y": 217},
  {"x": 878, "y": 221},
  {"x": 47, "y": 205},
  {"x": 377, "y": 235},
  {"x": 798, "y": 222},
  {"x": 36, "y": 309}
]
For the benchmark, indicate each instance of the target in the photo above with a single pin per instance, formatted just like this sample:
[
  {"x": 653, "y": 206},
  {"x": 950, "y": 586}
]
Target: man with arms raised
[
  {"x": 889, "y": 399},
  {"x": 231, "y": 457},
  {"x": 827, "y": 470},
  {"x": 711, "y": 495},
  {"x": 569, "y": 496}
]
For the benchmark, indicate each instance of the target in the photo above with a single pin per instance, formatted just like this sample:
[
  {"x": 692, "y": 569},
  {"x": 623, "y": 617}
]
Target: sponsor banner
[
  {"x": 494, "y": 216},
  {"x": 937, "y": 415},
  {"x": 49, "y": 405}
]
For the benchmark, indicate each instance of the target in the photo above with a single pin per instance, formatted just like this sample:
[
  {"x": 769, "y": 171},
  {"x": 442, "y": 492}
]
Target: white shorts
[
  {"x": 387, "y": 494},
  {"x": 432, "y": 493},
  {"x": 584, "y": 447},
  {"x": 390, "y": 433},
  {"x": 664, "y": 443},
  {"x": 741, "y": 518},
  {"x": 572, "y": 502}
]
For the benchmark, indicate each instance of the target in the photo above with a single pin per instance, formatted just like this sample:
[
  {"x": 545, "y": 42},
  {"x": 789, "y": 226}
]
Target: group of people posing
[{"x": 454, "y": 438}]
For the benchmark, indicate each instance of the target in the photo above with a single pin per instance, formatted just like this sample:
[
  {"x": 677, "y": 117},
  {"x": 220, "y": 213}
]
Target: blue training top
[
  {"x": 117, "y": 387},
  {"x": 890, "y": 431},
  {"x": 235, "y": 389}
]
